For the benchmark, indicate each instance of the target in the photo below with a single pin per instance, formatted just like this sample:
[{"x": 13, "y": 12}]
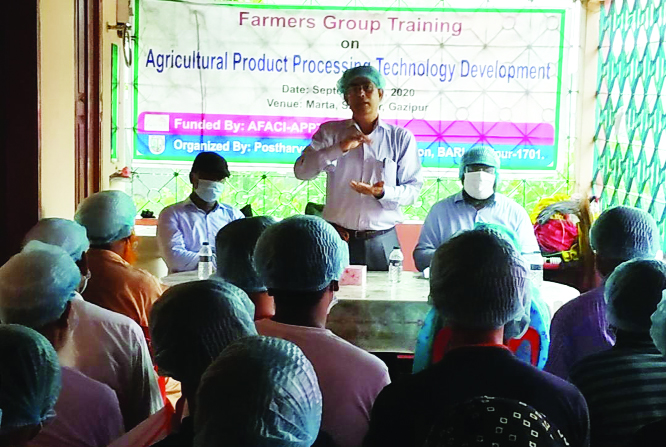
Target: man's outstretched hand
[{"x": 376, "y": 190}]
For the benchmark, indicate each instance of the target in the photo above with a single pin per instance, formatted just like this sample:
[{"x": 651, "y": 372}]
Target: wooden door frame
[{"x": 88, "y": 137}]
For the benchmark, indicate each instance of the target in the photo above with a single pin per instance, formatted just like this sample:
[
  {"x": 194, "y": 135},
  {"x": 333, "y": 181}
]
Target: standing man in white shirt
[
  {"x": 372, "y": 169},
  {"x": 184, "y": 226}
]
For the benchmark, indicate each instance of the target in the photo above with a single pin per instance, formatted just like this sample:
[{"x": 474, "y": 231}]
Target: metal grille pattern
[
  {"x": 631, "y": 115},
  {"x": 282, "y": 195}
]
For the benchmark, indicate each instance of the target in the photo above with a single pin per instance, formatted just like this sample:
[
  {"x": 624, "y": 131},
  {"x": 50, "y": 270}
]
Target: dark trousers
[{"x": 373, "y": 252}]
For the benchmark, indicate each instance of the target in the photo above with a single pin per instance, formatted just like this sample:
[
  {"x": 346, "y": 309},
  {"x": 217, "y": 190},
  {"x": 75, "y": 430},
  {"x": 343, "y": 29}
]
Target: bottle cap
[{"x": 206, "y": 243}]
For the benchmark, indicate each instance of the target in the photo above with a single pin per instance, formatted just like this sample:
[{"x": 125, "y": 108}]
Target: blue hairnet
[
  {"x": 493, "y": 421},
  {"x": 362, "y": 71},
  {"x": 191, "y": 323},
  {"x": 234, "y": 248},
  {"x": 260, "y": 392},
  {"x": 479, "y": 155},
  {"x": 65, "y": 233},
  {"x": 478, "y": 280},
  {"x": 107, "y": 215},
  {"x": 632, "y": 293},
  {"x": 300, "y": 254},
  {"x": 624, "y": 233},
  {"x": 29, "y": 378},
  {"x": 518, "y": 326},
  {"x": 37, "y": 284}
]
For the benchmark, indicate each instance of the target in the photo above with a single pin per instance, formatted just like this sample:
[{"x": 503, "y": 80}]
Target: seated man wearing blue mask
[
  {"x": 477, "y": 202},
  {"x": 184, "y": 226}
]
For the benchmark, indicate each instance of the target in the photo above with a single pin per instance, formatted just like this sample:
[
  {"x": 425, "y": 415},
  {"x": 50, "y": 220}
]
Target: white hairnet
[
  {"x": 29, "y": 377},
  {"x": 234, "y": 248},
  {"x": 65, "y": 233},
  {"x": 37, "y": 284},
  {"x": 624, "y": 233},
  {"x": 191, "y": 323},
  {"x": 260, "y": 392},
  {"x": 107, "y": 215},
  {"x": 632, "y": 293},
  {"x": 301, "y": 254},
  {"x": 478, "y": 280}
]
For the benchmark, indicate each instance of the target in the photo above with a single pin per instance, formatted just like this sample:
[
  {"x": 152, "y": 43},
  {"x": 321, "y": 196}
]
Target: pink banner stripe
[{"x": 303, "y": 127}]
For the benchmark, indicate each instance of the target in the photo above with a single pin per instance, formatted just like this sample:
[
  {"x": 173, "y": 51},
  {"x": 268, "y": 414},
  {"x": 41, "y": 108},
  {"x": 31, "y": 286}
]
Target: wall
[{"x": 57, "y": 107}]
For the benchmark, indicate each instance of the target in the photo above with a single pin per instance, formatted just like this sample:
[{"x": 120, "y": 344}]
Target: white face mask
[
  {"x": 209, "y": 190},
  {"x": 479, "y": 185}
]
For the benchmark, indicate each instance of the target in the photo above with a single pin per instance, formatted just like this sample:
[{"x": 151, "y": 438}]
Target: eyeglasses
[
  {"x": 480, "y": 168},
  {"x": 367, "y": 87}
]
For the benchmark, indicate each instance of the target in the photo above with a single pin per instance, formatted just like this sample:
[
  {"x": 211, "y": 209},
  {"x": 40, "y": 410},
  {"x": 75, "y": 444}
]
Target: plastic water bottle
[
  {"x": 395, "y": 265},
  {"x": 205, "y": 261},
  {"x": 535, "y": 262}
]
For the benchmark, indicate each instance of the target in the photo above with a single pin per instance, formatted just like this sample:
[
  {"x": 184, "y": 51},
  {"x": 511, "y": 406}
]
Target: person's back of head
[
  {"x": 478, "y": 281},
  {"x": 29, "y": 384},
  {"x": 260, "y": 392},
  {"x": 36, "y": 287},
  {"x": 234, "y": 249},
  {"x": 622, "y": 233},
  {"x": 190, "y": 325},
  {"x": 632, "y": 293},
  {"x": 64, "y": 233},
  {"x": 108, "y": 217},
  {"x": 300, "y": 256},
  {"x": 490, "y": 421}
]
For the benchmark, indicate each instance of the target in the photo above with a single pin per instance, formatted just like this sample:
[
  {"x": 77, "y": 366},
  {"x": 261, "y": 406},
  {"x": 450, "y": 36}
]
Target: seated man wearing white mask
[
  {"x": 477, "y": 202},
  {"x": 184, "y": 226}
]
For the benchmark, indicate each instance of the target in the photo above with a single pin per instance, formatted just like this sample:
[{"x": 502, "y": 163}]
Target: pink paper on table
[{"x": 354, "y": 275}]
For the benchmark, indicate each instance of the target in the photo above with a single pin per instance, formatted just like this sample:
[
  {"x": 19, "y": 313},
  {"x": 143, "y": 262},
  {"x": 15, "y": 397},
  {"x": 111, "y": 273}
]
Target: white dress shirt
[
  {"x": 391, "y": 157},
  {"x": 182, "y": 227},
  {"x": 111, "y": 348}
]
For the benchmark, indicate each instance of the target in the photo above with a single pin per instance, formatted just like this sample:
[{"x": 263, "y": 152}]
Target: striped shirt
[{"x": 625, "y": 388}]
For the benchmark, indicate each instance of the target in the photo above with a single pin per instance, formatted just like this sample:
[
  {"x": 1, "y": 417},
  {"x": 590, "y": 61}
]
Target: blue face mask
[{"x": 209, "y": 190}]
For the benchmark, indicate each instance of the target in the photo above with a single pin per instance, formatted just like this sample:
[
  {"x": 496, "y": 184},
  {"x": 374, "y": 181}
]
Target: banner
[{"x": 254, "y": 82}]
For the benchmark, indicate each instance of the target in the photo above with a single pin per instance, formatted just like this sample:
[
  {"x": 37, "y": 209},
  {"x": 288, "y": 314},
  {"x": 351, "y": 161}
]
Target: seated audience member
[
  {"x": 36, "y": 289},
  {"x": 579, "y": 328},
  {"x": 261, "y": 391},
  {"x": 29, "y": 384},
  {"x": 108, "y": 217},
  {"x": 190, "y": 326},
  {"x": 477, "y": 201},
  {"x": 625, "y": 386},
  {"x": 183, "y": 227},
  {"x": 301, "y": 260},
  {"x": 654, "y": 434},
  {"x": 234, "y": 245},
  {"x": 491, "y": 421},
  {"x": 478, "y": 283},
  {"x": 105, "y": 346}
]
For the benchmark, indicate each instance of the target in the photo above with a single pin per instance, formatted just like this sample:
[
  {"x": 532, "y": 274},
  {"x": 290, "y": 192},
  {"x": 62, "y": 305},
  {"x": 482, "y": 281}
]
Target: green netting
[
  {"x": 631, "y": 117},
  {"x": 281, "y": 194}
]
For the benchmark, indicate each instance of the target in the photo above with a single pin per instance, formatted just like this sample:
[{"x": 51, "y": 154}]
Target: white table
[{"x": 385, "y": 317}]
